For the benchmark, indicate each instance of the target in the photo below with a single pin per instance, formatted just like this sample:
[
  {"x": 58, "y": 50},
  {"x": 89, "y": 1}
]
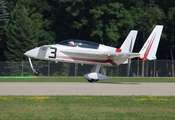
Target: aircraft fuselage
[{"x": 62, "y": 53}]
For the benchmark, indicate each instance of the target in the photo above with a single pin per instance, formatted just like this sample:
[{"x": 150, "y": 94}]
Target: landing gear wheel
[
  {"x": 36, "y": 73},
  {"x": 93, "y": 80},
  {"x": 90, "y": 81}
]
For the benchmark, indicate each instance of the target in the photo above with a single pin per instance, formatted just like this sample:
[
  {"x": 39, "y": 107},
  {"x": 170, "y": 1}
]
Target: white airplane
[{"x": 85, "y": 52}]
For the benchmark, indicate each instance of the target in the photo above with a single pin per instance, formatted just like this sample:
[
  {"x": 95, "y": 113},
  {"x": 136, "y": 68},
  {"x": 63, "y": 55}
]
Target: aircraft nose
[{"x": 32, "y": 52}]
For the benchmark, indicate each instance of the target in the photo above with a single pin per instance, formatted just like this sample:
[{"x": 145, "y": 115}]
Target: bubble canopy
[{"x": 79, "y": 43}]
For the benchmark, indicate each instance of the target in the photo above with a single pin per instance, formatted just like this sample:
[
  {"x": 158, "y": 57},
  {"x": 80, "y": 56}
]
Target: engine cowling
[{"x": 93, "y": 77}]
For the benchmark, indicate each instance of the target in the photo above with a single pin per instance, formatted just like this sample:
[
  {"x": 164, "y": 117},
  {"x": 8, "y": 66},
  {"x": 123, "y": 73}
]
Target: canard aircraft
[{"x": 86, "y": 52}]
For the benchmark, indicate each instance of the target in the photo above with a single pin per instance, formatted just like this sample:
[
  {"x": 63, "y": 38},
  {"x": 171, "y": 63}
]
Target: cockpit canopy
[{"x": 79, "y": 43}]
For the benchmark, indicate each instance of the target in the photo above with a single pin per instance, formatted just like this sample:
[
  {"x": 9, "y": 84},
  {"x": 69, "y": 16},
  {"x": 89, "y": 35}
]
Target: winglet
[
  {"x": 149, "y": 49},
  {"x": 129, "y": 42}
]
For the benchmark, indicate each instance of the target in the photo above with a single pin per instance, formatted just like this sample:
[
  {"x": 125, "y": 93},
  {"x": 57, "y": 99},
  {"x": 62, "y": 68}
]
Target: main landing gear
[
  {"x": 35, "y": 72},
  {"x": 95, "y": 75}
]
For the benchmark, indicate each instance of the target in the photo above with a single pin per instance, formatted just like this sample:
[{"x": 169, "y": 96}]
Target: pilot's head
[{"x": 71, "y": 43}]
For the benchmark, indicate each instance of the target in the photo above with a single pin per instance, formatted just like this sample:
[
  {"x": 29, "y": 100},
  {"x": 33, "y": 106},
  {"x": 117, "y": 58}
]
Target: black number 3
[{"x": 53, "y": 52}]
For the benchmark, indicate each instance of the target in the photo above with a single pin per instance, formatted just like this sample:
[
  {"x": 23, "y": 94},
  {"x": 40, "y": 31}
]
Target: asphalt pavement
[{"x": 77, "y": 88}]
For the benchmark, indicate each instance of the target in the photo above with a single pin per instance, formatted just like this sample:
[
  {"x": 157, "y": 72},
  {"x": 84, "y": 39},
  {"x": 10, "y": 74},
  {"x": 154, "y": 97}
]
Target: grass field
[
  {"x": 87, "y": 108},
  {"x": 81, "y": 79}
]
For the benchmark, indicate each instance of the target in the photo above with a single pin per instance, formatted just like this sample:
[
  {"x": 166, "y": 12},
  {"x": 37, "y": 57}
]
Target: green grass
[
  {"x": 87, "y": 108},
  {"x": 81, "y": 79}
]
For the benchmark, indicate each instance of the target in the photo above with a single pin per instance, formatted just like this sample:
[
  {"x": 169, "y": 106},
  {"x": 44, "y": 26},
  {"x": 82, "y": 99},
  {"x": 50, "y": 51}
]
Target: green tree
[
  {"x": 99, "y": 21},
  {"x": 171, "y": 37},
  {"x": 68, "y": 19},
  {"x": 166, "y": 46},
  {"x": 22, "y": 34},
  {"x": 11, "y": 5},
  {"x": 4, "y": 18},
  {"x": 147, "y": 14},
  {"x": 42, "y": 14},
  {"x": 109, "y": 21}
]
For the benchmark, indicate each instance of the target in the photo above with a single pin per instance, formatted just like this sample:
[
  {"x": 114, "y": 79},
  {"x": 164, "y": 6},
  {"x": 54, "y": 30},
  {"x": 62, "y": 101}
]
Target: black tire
[
  {"x": 90, "y": 81},
  {"x": 93, "y": 80},
  {"x": 36, "y": 73}
]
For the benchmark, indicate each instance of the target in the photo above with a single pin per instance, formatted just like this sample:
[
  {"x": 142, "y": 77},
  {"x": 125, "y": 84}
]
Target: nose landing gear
[{"x": 35, "y": 72}]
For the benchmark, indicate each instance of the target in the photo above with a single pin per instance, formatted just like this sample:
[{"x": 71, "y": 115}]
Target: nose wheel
[{"x": 36, "y": 72}]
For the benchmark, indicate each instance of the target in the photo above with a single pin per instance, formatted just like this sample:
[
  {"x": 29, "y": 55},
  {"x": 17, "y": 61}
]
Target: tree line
[{"x": 25, "y": 24}]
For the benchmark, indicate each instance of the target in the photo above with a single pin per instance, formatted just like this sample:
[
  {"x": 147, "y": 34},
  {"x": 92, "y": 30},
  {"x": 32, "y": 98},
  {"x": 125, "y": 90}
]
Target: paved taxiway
[{"x": 66, "y": 88}]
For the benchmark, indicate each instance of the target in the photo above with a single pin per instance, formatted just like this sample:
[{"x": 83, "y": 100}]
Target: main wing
[{"x": 116, "y": 57}]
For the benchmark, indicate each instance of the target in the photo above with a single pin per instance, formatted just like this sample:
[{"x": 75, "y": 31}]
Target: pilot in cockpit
[{"x": 71, "y": 43}]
